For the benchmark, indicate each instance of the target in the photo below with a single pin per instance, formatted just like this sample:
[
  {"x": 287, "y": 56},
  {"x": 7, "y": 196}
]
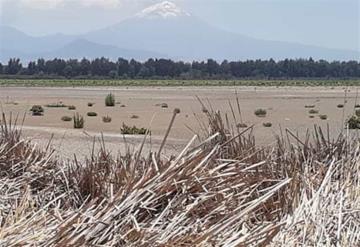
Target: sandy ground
[{"x": 285, "y": 107}]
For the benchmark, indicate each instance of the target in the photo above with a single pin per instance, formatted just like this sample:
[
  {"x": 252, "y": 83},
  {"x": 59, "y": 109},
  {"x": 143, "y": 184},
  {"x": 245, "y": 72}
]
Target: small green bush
[
  {"x": 106, "y": 119},
  {"x": 340, "y": 106},
  {"x": 323, "y": 117},
  {"x": 311, "y": 116},
  {"x": 260, "y": 112},
  {"x": 357, "y": 106},
  {"x": 92, "y": 114},
  {"x": 90, "y": 104},
  {"x": 37, "y": 110},
  {"x": 78, "y": 121},
  {"x": 313, "y": 111},
  {"x": 110, "y": 100},
  {"x": 267, "y": 125},
  {"x": 72, "y": 107},
  {"x": 134, "y": 117},
  {"x": 66, "y": 118},
  {"x": 127, "y": 130}
]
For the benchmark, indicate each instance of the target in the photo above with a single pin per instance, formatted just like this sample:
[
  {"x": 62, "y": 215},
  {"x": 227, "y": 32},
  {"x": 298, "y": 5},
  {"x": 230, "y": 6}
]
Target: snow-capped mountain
[
  {"x": 161, "y": 30},
  {"x": 164, "y": 10},
  {"x": 166, "y": 28}
]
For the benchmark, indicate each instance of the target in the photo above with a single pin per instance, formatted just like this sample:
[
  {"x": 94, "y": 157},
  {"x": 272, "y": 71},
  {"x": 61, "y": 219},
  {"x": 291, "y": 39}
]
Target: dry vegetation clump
[
  {"x": 128, "y": 130},
  {"x": 107, "y": 119},
  {"x": 37, "y": 110},
  {"x": 323, "y": 117},
  {"x": 91, "y": 114},
  {"x": 260, "y": 112},
  {"x": 56, "y": 105},
  {"x": 163, "y": 105},
  {"x": 309, "y": 106},
  {"x": 78, "y": 121},
  {"x": 313, "y": 111},
  {"x": 267, "y": 124},
  {"x": 72, "y": 107},
  {"x": 241, "y": 125},
  {"x": 66, "y": 118},
  {"x": 353, "y": 122},
  {"x": 357, "y": 112},
  {"x": 222, "y": 191}
]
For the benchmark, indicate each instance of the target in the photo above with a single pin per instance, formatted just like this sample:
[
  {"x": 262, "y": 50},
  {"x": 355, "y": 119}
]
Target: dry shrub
[{"x": 223, "y": 191}]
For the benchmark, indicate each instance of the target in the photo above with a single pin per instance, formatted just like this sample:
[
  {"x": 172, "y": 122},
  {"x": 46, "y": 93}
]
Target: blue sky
[{"x": 326, "y": 23}]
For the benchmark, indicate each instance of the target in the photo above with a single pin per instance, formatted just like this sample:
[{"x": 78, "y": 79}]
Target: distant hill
[
  {"x": 81, "y": 48},
  {"x": 64, "y": 47}
]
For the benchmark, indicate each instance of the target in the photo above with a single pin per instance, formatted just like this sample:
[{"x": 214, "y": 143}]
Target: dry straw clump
[{"x": 222, "y": 191}]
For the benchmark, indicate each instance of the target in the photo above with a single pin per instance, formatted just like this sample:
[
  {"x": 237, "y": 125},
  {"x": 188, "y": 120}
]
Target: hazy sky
[{"x": 326, "y": 23}]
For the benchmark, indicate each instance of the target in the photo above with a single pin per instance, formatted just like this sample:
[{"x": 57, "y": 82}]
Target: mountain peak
[{"x": 165, "y": 9}]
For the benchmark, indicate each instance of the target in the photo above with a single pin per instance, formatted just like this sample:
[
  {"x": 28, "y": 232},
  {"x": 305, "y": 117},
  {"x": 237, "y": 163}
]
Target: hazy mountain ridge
[{"x": 161, "y": 30}]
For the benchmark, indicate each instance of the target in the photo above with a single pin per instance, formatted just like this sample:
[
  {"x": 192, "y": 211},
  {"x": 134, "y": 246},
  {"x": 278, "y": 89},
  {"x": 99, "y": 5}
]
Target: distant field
[{"x": 73, "y": 82}]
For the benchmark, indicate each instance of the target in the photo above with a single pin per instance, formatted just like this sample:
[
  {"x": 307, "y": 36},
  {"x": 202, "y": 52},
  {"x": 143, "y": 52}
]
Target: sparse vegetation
[
  {"x": 134, "y": 117},
  {"x": 90, "y": 104},
  {"x": 72, "y": 107},
  {"x": 357, "y": 112},
  {"x": 354, "y": 122},
  {"x": 78, "y": 121},
  {"x": 127, "y": 130},
  {"x": 110, "y": 100},
  {"x": 106, "y": 119},
  {"x": 56, "y": 105},
  {"x": 204, "y": 110},
  {"x": 66, "y": 118},
  {"x": 340, "y": 106},
  {"x": 91, "y": 114},
  {"x": 260, "y": 112},
  {"x": 164, "y": 105},
  {"x": 313, "y": 111},
  {"x": 241, "y": 125},
  {"x": 309, "y": 106},
  {"x": 267, "y": 124},
  {"x": 37, "y": 110},
  {"x": 323, "y": 117}
]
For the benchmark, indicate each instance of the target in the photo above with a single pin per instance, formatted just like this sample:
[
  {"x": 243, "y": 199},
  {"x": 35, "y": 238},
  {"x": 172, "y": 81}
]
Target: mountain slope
[
  {"x": 13, "y": 39},
  {"x": 82, "y": 48},
  {"x": 79, "y": 49},
  {"x": 163, "y": 30},
  {"x": 14, "y": 43},
  {"x": 168, "y": 29}
]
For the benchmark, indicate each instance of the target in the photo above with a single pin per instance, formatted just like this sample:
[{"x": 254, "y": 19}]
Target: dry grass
[{"x": 222, "y": 191}]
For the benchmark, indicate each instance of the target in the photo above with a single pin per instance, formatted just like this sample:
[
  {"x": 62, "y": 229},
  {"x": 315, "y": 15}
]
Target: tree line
[{"x": 169, "y": 69}]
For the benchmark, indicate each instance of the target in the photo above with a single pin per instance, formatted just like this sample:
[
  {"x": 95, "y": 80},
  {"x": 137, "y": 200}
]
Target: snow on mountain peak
[{"x": 164, "y": 10}]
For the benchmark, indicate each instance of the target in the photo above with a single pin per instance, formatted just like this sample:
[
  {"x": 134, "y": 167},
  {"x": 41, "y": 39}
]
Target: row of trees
[{"x": 165, "y": 68}]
